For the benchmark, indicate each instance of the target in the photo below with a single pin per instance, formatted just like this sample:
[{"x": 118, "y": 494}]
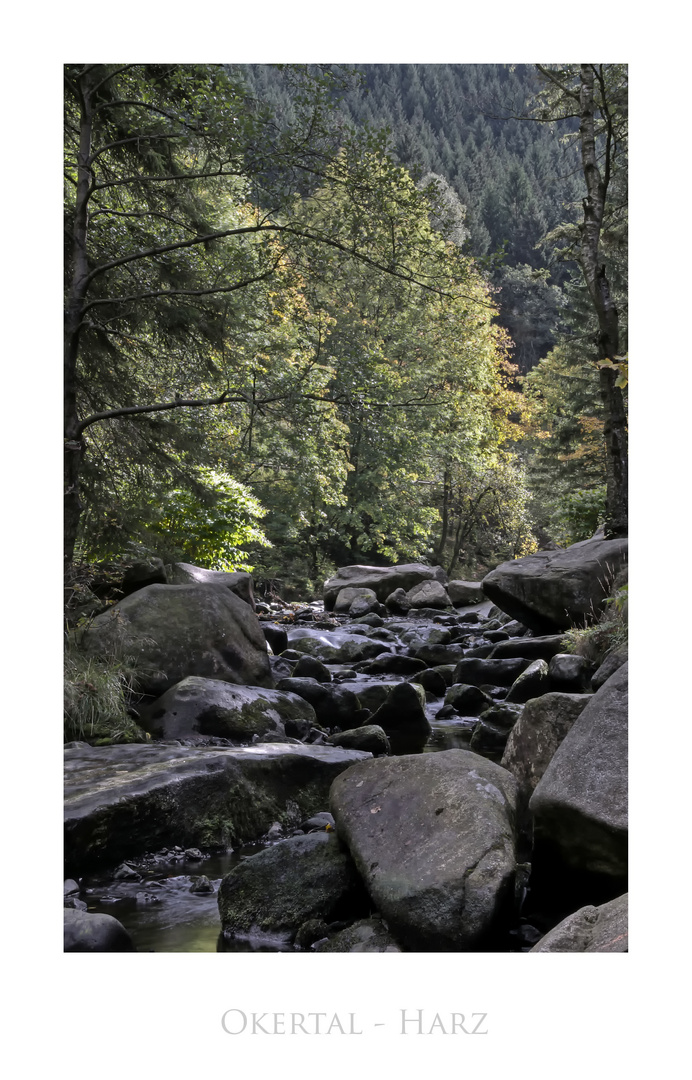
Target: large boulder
[
  {"x": 346, "y": 597},
  {"x": 277, "y": 890},
  {"x": 428, "y": 594},
  {"x": 537, "y": 734},
  {"x": 433, "y": 838},
  {"x": 212, "y": 707},
  {"x": 171, "y": 631},
  {"x": 580, "y": 803},
  {"x": 383, "y": 580},
  {"x": 591, "y": 929},
  {"x": 237, "y": 581},
  {"x": 554, "y": 590},
  {"x": 121, "y": 801},
  {"x": 89, "y": 932}
]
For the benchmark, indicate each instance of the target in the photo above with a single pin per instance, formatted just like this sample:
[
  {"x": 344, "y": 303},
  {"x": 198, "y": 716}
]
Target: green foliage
[
  {"x": 97, "y": 693},
  {"x": 315, "y": 281},
  {"x": 212, "y": 528},
  {"x": 580, "y": 514},
  {"x": 564, "y": 446}
]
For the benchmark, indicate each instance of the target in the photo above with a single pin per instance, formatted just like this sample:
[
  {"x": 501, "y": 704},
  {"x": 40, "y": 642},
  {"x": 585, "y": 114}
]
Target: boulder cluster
[{"x": 461, "y": 773}]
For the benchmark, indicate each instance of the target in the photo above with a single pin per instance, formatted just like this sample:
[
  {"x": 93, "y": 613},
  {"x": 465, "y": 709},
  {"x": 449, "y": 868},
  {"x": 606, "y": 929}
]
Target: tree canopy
[{"x": 284, "y": 345}]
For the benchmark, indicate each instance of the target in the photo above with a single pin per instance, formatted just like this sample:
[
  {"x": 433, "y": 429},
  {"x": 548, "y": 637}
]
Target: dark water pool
[{"x": 160, "y": 912}]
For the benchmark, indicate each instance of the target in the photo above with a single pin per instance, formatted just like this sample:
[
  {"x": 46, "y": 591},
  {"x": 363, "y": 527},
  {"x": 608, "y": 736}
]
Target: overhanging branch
[{"x": 178, "y": 403}]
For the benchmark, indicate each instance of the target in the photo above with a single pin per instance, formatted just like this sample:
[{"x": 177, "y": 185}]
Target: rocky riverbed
[{"x": 410, "y": 764}]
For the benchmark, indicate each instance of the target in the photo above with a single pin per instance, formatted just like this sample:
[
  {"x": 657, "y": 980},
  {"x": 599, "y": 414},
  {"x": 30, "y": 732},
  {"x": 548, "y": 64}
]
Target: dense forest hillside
[
  {"x": 319, "y": 316},
  {"x": 516, "y": 179}
]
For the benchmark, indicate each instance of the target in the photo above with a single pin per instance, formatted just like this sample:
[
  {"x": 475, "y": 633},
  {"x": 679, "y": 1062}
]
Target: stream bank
[{"x": 455, "y": 684}]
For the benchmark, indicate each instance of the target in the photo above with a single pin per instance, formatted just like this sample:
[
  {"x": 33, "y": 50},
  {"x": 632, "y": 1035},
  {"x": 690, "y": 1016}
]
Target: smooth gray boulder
[
  {"x": 433, "y": 838},
  {"x": 121, "y": 801},
  {"x": 591, "y": 929},
  {"x": 570, "y": 674},
  {"x": 537, "y": 734},
  {"x": 237, "y": 581},
  {"x": 279, "y": 889},
  {"x": 309, "y": 667},
  {"x": 212, "y": 707},
  {"x": 171, "y": 631},
  {"x": 397, "y": 602},
  {"x": 532, "y": 682},
  {"x": 89, "y": 932},
  {"x": 369, "y": 737},
  {"x": 346, "y": 597},
  {"x": 580, "y": 803},
  {"x": 383, "y": 580},
  {"x": 554, "y": 590},
  {"x": 402, "y": 716},
  {"x": 428, "y": 594},
  {"x": 467, "y": 700}
]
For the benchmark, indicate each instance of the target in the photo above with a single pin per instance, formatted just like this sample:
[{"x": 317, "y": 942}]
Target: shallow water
[{"x": 161, "y": 914}]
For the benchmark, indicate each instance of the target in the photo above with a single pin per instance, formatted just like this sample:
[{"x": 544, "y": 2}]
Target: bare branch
[
  {"x": 135, "y": 410},
  {"x": 182, "y": 292}
]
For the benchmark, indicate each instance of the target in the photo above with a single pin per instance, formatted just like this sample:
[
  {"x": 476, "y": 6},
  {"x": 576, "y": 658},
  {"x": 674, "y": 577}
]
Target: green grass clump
[
  {"x": 97, "y": 694},
  {"x": 607, "y": 633}
]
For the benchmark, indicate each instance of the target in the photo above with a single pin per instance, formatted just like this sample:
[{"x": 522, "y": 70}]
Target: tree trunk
[
  {"x": 74, "y": 442},
  {"x": 606, "y": 311}
]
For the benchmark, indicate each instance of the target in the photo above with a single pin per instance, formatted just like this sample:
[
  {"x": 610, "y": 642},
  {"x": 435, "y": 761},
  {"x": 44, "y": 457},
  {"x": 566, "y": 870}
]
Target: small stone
[
  {"x": 201, "y": 884},
  {"x": 126, "y": 873},
  {"x": 75, "y": 902}
]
